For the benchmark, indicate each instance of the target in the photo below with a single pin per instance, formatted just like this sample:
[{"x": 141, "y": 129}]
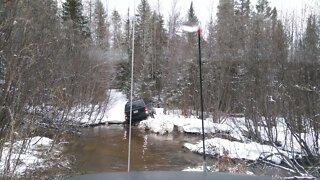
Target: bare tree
[{"x": 48, "y": 74}]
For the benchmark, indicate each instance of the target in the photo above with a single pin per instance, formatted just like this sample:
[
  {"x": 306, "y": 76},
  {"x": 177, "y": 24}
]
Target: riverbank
[{"x": 229, "y": 141}]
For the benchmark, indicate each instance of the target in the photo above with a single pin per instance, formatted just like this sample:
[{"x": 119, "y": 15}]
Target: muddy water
[{"x": 105, "y": 149}]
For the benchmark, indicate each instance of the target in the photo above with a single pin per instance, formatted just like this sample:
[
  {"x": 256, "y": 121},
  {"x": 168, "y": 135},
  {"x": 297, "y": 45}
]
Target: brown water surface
[{"x": 105, "y": 149}]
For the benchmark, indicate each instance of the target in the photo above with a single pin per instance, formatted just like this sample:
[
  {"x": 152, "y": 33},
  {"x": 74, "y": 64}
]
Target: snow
[
  {"x": 198, "y": 169},
  {"x": 236, "y": 146},
  {"x": 163, "y": 124},
  {"x": 113, "y": 115},
  {"x": 237, "y": 150},
  {"x": 29, "y": 158},
  {"x": 209, "y": 127},
  {"x": 157, "y": 126},
  {"x": 216, "y": 169},
  {"x": 190, "y": 28},
  {"x": 116, "y": 113}
]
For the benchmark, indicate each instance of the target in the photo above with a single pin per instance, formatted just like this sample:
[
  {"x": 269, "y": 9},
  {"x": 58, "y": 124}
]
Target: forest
[{"x": 55, "y": 58}]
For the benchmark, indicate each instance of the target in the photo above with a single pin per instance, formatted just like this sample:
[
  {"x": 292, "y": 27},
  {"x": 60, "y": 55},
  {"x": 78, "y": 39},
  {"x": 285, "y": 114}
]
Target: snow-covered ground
[
  {"x": 26, "y": 154},
  {"x": 241, "y": 148},
  {"x": 114, "y": 113},
  {"x": 163, "y": 124},
  {"x": 236, "y": 146}
]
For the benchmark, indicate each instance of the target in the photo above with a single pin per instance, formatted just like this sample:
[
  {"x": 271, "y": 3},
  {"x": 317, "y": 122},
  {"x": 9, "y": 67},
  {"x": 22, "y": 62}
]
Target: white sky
[{"x": 203, "y": 8}]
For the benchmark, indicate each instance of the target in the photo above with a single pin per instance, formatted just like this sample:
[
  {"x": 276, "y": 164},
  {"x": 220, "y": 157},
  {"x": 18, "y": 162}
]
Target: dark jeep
[{"x": 141, "y": 109}]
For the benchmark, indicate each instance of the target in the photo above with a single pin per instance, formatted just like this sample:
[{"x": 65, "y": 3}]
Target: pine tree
[
  {"x": 268, "y": 51},
  {"x": 190, "y": 81},
  {"x": 152, "y": 68},
  {"x": 123, "y": 67},
  {"x": 127, "y": 44},
  {"x": 173, "y": 58},
  {"x": 225, "y": 27},
  {"x": 101, "y": 26},
  {"x": 192, "y": 20},
  {"x": 241, "y": 35},
  {"x": 116, "y": 30},
  {"x": 72, "y": 10},
  {"x": 142, "y": 45},
  {"x": 310, "y": 46},
  {"x": 142, "y": 30},
  {"x": 160, "y": 41},
  {"x": 302, "y": 80},
  {"x": 226, "y": 55},
  {"x": 263, "y": 8}
]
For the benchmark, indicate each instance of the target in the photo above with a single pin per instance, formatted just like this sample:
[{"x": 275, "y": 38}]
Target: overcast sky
[{"x": 203, "y": 8}]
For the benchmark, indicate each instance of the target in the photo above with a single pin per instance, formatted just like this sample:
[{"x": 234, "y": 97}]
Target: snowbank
[
  {"x": 237, "y": 150},
  {"x": 159, "y": 126},
  {"x": 195, "y": 126},
  {"x": 235, "y": 129},
  {"x": 116, "y": 112},
  {"x": 29, "y": 158},
  {"x": 163, "y": 124},
  {"x": 113, "y": 115}
]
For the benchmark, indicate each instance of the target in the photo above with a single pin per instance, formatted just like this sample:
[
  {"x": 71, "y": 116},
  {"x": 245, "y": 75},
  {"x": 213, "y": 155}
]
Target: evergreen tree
[
  {"x": 124, "y": 66},
  {"x": 263, "y": 8},
  {"x": 152, "y": 67},
  {"x": 142, "y": 45},
  {"x": 225, "y": 30},
  {"x": 72, "y": 10},
  {"x": 242, "y": 22},
  {"x": 173, "y": 59},
  {"x": 100, "y": 25},
  {"x": 192, "y": 20},
  {"x": 226, "y": 55},
  {"x": 190, "y": 81},
  {"x": 308, "y": 56},
  {"x": 310, "y": 43},
  {"x": 127, "y": 44},
  {"x": 116, "y": 30},
  {"x": 242, "y": 7},
  {"x": 159, "y": 43},
  {"x": 302, "y": 92},
  {"x": 267, "y": 55},
  {"x": 141, "y": 34}
]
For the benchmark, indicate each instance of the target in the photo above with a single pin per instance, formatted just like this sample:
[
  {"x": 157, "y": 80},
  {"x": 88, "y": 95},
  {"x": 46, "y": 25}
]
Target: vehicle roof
[{"x": 146, "y": 100}]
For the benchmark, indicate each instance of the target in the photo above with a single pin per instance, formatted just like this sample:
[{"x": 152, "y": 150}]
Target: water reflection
[
  {"x": 145, "y": 145},
  {"x": 105, "y": 149}
]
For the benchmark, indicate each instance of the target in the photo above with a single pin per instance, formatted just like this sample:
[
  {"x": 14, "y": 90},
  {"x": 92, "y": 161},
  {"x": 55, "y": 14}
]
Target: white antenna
[{"x": 131, "y": 91}]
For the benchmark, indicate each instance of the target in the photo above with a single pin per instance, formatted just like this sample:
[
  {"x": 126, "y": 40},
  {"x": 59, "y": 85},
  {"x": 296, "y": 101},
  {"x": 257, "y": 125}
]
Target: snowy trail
[{"x": 116, "y": 113}]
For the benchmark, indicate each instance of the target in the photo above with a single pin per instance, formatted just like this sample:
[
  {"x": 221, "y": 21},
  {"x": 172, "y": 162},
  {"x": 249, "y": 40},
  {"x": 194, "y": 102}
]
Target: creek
[{"x": 105, "y": 149}]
